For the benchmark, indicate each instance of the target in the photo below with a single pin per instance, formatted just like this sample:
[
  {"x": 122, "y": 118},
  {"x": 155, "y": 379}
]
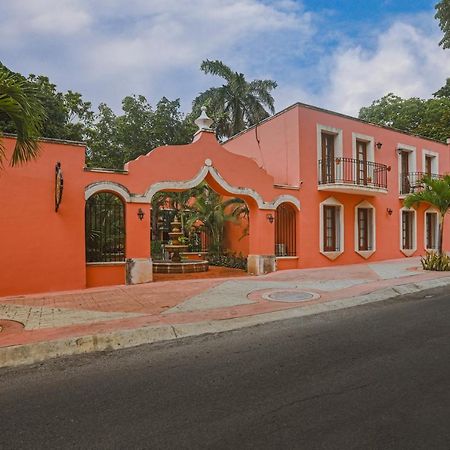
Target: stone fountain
[{"x": 175, "y": 248}]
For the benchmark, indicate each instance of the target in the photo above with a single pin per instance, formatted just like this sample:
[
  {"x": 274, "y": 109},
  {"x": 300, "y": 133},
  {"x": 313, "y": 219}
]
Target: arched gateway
[{"x": 178, "y": 168}]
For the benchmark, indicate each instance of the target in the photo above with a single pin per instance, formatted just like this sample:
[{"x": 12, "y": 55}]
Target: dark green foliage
[
  {"x": 435, "y": 261},
  {"x": 114, "y": 140},
  {"x": 228, "y": 260},
  {"x": 22, "y": 113},
  {"x": 443, "y": 16},
  {"x": 429, "y": 118}
]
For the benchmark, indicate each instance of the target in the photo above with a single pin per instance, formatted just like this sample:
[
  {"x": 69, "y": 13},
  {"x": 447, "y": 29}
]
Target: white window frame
[
  {"x": 412, "y": 162},
  {"x": 372, "y": 232},
  {"x": 434, "y": 162},
  {"x": 408, "y": 251},
  {"x": 331, "y": 201},
  {"x": 338, "y": 143},
  {"x": 432, "y": 211}
]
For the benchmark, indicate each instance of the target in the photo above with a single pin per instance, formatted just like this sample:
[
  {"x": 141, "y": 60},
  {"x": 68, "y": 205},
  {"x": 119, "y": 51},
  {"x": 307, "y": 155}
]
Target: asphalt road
[{"x": 372, "y": 377}]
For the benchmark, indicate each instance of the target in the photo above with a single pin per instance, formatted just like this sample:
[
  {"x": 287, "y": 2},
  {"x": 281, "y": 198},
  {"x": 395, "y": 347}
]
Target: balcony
[
  {"x": 352, "y": 176},
  {"x": 412, "y": 181}
]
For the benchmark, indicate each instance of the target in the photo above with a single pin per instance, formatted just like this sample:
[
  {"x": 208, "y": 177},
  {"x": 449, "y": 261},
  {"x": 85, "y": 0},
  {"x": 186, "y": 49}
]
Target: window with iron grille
[
  {"x": 285, "y": 231},
  {"x": 105, "y": 228}
]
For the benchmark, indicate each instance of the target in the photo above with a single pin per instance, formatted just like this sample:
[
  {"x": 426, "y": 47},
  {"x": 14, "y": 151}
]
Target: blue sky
[{"x": 338, "y": 54}]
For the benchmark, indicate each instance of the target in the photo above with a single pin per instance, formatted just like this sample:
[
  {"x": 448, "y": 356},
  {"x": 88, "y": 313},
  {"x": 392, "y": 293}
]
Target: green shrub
[
  {"x": 228, "y": 260},
  {"x": 435, "y": 261},
  {"x": 157, "y": 252}
]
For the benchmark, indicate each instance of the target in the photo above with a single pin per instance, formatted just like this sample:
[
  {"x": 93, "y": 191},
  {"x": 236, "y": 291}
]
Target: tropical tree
[
  {"x": 443, "y": 16},
  {"x": 19, "y": 104},
  {"x": 237, "y": 104},
  {"x": 435, "y": 192},
  {"x": 424, "y": 117},
  {"x": 211, "y": 211}
]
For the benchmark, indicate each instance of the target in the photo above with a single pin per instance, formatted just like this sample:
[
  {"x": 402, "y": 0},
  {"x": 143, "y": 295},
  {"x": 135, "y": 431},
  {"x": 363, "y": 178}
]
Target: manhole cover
[
  {"x": 290, "y": 296},
  {"x": 10, "y": 326}
]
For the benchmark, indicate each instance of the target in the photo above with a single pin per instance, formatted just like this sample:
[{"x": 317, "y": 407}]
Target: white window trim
[
  {"x": 409, "y": 252},
  {"x": 366, "y": 253},
  {"x": 331, "y": 201},
  {"x": 412, "y": 162},
  {"x": 370, "y": 148},
  {"x": 434, "y": 163},
  {"x": 338, "y": 148},
  {"x": 433, "y": 211}
]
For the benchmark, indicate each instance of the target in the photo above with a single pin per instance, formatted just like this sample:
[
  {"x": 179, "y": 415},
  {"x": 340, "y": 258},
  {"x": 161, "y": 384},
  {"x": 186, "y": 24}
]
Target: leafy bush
[
  {"x": 228, "y": 260},
  {"x": 435, "y": 261},
  {"x": 157, "y": 250}
]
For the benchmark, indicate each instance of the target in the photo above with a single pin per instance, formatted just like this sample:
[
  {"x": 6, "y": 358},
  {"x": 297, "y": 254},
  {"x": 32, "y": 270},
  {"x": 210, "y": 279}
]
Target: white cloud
[
  {"x": 107, "y": 49},
  {"x": 406, "y": 61}
]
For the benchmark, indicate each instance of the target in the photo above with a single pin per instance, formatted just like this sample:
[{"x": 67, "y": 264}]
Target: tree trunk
[{"x": 441, "y": 234}]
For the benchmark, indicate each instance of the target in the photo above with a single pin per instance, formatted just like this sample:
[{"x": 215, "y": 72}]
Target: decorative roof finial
[{"x": 203, "y": 121}]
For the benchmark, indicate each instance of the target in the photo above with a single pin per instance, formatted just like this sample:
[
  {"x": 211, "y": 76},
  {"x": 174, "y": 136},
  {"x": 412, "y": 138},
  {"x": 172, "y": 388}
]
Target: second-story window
[
  {"x": 361, "y": 162},
  {"x": 428, "y": 165},
  {"x": 328, "y": 158}
]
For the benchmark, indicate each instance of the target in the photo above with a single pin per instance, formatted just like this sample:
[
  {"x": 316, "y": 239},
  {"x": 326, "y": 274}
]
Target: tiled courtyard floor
[{"x": 45, "y": 317}]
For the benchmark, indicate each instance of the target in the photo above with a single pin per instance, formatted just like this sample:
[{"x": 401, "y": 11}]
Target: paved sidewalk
[{"x": 37, "y": 327}]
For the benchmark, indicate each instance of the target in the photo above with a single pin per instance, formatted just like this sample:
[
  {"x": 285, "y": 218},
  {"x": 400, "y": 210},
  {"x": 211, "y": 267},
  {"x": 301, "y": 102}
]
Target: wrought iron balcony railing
[
  {"x": 412, "y": 181},
  {"x": 349, "y": 171}
]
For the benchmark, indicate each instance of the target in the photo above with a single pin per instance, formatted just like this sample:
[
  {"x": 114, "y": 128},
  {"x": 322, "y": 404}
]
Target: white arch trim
[
  {"x": 183, "y": 185},
  {"x": 108, "y": 186}
]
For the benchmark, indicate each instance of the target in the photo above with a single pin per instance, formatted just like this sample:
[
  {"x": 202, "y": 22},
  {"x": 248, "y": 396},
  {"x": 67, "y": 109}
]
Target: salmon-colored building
[{"x": 322, "y": 188}]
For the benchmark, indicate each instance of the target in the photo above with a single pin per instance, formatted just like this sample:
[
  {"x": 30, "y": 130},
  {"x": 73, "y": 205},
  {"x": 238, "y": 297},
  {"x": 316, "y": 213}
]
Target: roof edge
[
  {"x": 55, "y": 140},
  {"x": 329, "y": 111}
]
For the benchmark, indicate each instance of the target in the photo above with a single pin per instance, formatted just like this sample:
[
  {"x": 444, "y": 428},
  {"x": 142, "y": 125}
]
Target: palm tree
[
  {"x": 19, "y": 102},
  {"x": 237, "y": 104},
  {"x": 435, "y": 192},
  {"x": 210, "y": 210}
]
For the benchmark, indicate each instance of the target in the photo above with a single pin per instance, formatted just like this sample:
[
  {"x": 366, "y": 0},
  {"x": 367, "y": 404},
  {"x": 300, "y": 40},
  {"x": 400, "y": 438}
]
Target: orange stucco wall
[
  {"x": 43, "y": 250},
  {"x": 105, "y": 274},
  {"x": 279, "y": 133}
]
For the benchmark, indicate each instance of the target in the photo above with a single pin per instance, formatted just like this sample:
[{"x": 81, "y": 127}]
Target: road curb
[{"x": 17, "y": 355}]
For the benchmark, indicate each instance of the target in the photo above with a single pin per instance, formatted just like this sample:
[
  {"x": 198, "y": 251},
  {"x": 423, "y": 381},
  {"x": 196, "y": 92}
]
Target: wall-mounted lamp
[
  {"x": 140, "y": 214},
  {"x": 270, "y": 218},
  {"x": 379, "y": 145},
  {"x": 389, "y": 211}
]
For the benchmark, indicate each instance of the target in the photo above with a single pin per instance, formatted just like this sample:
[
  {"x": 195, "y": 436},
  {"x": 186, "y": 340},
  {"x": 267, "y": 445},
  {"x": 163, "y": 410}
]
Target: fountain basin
[{"x": 180, "y": 267}]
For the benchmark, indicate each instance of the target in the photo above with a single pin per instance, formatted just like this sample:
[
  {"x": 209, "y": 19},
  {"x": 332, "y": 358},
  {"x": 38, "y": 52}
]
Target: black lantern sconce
[
  {"x": 270, "y": 218},
  {"x": 379, "y": 145},
  {"x": 140, "y": 214},
  {"x": 389, "y": 211}
]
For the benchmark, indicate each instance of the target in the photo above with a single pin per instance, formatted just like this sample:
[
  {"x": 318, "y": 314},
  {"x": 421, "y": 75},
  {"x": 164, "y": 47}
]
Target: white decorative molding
[
  {"x": 434, "y": 161},
  {"x": 338, "y": 148},
  {"x": 107, "y": 186},
  {"x": 331, "y": 201},
  {"x": 238, "y": 191},
  {"x": 409, "y": 251},
  {"x": 372, "y": 232},
  {"x": 370, "y": 147},
  {"x": 285, "y": 199}
]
